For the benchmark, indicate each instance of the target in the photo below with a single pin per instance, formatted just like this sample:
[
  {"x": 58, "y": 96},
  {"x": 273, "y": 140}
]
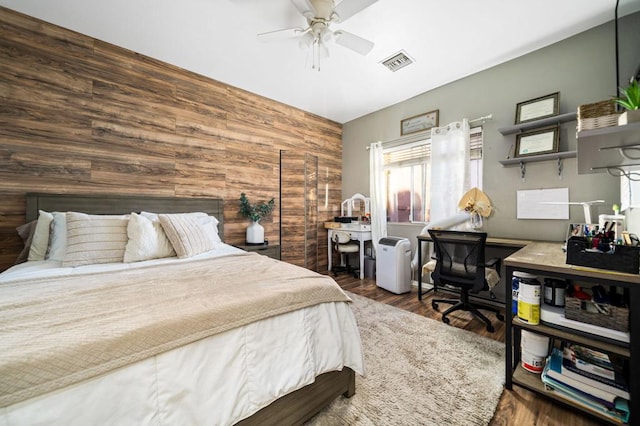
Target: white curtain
[
  {"x": 450, "y": 177},
  {"x": 377, "y": 190}
]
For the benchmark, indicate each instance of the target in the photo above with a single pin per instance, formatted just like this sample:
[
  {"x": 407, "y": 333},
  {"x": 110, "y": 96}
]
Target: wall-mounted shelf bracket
[
  {"x": 625, "y": 150},
  {"x": 619, "y": 171},
  {"x": 559, "y": 167}
]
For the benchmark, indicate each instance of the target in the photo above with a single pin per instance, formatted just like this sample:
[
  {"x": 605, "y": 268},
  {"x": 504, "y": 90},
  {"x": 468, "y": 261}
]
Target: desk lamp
[{"x": 585, "y": 204}]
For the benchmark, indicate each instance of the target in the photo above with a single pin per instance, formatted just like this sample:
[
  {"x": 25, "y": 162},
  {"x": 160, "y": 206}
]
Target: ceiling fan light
[
  {"x": 306, "y": 41},
  {"x": 326, "y": 35}
]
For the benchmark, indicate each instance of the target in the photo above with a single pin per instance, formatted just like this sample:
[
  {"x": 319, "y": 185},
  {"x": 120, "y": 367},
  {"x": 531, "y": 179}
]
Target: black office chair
[{"x": 460, "y": 263}]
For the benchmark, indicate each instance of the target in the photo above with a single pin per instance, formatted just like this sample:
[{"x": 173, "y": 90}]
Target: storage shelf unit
[{"x": 547, "y": 260}]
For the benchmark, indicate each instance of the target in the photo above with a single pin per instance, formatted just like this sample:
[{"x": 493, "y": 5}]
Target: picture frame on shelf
[
  {"x": 538, "y": 108},
  {"x": 539, "y": 141},
  {"x": 419, "y": 123}
]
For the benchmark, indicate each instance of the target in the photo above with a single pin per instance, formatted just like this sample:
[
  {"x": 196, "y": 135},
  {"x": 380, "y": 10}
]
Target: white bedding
[{"x": 218, "y": 380}]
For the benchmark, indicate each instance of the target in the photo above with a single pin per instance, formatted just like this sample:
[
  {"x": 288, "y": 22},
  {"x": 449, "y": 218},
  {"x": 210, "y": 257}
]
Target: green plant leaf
[
  {"x": 630, "y": 98},
  {"x": 255, "y": 212}
]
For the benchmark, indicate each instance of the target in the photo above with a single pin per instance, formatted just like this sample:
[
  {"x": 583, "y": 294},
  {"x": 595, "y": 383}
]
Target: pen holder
[{"x": 623, "y": 259}]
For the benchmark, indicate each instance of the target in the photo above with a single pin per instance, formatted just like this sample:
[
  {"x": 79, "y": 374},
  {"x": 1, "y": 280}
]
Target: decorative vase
[
  {"x": 255, "y": 233},
  {"x": 630, "y": 116}
]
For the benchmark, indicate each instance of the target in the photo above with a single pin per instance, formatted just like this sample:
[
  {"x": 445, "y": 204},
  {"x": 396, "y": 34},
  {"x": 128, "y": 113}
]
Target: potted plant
[
  {"x": 630, "y": 100},
  {"x": 255, "y": 212}
]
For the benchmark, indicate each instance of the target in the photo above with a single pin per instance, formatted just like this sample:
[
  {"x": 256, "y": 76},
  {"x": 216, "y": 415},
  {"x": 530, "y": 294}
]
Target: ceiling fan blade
[
  {"x": 353, "y": 42},
  {"x": 347, "y": 8},
  {"x": 305, "y": 8},
  {"x": 281, "y": 34}
]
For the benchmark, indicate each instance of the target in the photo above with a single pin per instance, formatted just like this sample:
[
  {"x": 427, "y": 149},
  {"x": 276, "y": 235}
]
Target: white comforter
[{"x": 215, "y": 381}]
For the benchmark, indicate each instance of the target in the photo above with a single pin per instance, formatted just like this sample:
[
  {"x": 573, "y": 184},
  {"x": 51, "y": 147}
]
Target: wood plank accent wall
[{"x": 78, "y": 115}]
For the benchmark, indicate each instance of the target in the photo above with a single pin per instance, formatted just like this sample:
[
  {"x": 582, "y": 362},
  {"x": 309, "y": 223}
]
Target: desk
[
  {"x": 504, "y": 245},
  {"x": 358, "y": 233},
  {"x": 548, "y": 259}
]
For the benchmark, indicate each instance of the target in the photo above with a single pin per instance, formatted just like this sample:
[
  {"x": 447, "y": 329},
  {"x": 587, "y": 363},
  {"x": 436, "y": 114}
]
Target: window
[{"x": 407, "y": 174}]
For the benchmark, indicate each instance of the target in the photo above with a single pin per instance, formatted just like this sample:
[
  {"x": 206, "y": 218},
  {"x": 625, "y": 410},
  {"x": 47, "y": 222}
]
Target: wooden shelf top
[{"x": 549, "y": 257}]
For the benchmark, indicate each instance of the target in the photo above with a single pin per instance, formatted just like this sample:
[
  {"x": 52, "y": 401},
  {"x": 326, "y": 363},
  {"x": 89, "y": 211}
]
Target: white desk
[{"x": 360, "y": 233}]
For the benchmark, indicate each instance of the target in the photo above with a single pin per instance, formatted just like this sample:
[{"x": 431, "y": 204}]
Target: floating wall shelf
[
  {"x": 517, "y": 128},
  {"x": 521, "y": 161},
  {"x": 541, "y": 157}
]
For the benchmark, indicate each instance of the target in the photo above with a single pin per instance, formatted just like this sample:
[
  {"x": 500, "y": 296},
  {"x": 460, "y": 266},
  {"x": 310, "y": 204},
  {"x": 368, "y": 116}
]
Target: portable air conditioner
[{"x": 393, "y": 264}]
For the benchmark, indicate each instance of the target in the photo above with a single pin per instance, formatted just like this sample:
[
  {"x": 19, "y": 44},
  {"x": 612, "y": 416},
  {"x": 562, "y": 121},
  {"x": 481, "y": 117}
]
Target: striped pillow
[
  {"x": 186, "y": 234},
  {"x": 95, "y": 239}
]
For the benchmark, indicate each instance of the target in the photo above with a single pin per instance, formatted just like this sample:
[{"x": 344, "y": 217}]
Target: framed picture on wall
[
  {"x": 535, "y": 109},
  {"x": 419, "y": 123},
  {"x": 536, "y": 142}
]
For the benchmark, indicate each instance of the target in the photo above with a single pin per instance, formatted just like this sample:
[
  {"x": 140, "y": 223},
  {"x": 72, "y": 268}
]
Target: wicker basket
[
  {"x": 614, "y": 317},
  {"x": 596, "y": 115}
]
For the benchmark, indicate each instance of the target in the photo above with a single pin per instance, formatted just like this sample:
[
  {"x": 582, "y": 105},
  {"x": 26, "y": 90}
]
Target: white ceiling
[{"x": 448, "y": 39}]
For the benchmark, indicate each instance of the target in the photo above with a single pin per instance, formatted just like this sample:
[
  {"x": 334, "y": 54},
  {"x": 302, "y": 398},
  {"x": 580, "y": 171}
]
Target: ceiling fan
[{"x": 319, "y": 15}]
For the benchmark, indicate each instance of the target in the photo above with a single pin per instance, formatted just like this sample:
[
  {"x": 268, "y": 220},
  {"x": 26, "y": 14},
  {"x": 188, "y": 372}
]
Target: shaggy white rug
[{"x": 419, "y": 372}]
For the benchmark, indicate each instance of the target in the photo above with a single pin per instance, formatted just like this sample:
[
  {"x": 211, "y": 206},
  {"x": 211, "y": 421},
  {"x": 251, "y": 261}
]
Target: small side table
[{"x": 272, "y": 251}]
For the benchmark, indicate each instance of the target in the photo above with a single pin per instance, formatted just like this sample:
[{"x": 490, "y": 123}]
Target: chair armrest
[{"x": 495, "y": 263}]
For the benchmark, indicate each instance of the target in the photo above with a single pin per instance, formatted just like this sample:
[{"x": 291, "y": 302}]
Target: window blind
[{"x": 419, "y": 151}]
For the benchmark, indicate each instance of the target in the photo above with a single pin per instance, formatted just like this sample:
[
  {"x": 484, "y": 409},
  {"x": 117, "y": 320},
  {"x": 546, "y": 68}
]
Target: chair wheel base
[
  {"x": 499, "y": 316},
  {"x": 490, "y": 329}
]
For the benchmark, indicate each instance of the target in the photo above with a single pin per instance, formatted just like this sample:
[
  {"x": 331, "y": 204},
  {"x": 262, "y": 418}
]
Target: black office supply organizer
[{"x": 622, "y": 258}]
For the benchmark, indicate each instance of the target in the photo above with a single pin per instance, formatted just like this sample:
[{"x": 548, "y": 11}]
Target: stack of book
[{"x": 589, "y": 379}]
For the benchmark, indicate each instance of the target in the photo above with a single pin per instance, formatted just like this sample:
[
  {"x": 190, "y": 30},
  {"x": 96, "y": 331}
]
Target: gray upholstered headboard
[{"x": 123, "y": 204}]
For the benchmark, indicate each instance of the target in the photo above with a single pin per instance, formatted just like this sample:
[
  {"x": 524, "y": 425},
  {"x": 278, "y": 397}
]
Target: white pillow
[
  {"x": 93, "y": 239},
  {"x": 187, "y": 235},
  {"x": 40, "y": 241},
  {"x": 209, "y": 224},
  {"x": 57, "y": 237},
  {"x": 146, "y": 240}
]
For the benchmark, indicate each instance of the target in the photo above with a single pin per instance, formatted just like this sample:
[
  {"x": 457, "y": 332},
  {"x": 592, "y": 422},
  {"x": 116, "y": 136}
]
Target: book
[
  {"x": 590, "y": 360},
  {"x": 612, "y": 407},
  {"x": 616, "y": 386},
  {"x": 619, "y": 415},
  {"x": 554, "y": 370}
]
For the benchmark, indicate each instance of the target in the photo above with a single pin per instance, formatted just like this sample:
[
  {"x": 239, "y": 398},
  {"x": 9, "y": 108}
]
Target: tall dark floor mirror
[{"x": 299, "y": 209}]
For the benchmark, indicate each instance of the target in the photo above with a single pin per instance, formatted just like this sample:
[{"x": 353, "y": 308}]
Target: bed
[{"x": 94, "y": 349}]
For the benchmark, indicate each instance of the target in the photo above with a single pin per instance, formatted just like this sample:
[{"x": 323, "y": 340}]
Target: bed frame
[{"x": 292, "y": 409}]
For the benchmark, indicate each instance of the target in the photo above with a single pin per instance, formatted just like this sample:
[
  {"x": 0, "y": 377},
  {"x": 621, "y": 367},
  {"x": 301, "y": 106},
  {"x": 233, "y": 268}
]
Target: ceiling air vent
[{"x": 397, "y": 61}]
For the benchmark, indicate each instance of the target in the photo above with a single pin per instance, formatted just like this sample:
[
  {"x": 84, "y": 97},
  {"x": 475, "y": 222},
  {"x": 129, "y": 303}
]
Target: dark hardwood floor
[{"x": 518, "y": 407}]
